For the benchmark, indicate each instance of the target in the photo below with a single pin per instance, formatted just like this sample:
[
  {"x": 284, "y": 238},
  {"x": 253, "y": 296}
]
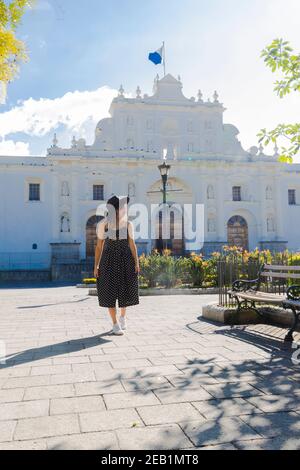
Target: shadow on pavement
[{"x": 36, "y": 354}]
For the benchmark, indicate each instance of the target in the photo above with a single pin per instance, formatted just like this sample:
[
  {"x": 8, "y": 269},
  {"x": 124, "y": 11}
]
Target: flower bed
[{"x": 194, "y": 271}]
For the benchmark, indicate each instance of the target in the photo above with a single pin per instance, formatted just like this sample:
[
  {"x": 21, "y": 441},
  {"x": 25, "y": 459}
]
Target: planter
[
  {"x": 86, "y": 286},
  {"x": 227, "y": 316}
]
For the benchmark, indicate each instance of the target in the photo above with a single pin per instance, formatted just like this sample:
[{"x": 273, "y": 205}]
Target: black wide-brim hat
[{"x": 117, "y": 202}]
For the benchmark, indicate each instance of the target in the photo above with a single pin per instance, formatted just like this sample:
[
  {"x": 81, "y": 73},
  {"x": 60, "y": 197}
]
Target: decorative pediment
[{"x": 168, "y": 89}]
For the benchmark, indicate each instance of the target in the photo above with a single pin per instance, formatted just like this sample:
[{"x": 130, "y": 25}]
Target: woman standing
[{"x": 116, "y": 263}]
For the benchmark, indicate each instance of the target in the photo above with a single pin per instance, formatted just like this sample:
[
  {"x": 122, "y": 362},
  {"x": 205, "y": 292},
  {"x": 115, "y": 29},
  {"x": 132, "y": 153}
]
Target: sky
[{"x": 81, "y": 51}]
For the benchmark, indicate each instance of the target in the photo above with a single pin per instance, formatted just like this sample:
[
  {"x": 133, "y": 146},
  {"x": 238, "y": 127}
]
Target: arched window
[
  {"x": 269, "y": 193},
  {"x": 130, "y": 143},
  {"x": 149, "y": 124},
  {"x": 130, "y": 121},
  {"x": 190, "y": 126},
  {"x": 149, "y": 146},
  {"x": 211, "y": 225},
  {"x": 270, "y": 224},
  {"x": 210, "y": 192},
  {"x": 131, "y": 190}
]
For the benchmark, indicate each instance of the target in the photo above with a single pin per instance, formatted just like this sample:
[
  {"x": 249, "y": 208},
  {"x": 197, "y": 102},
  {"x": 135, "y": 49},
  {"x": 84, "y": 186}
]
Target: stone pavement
[{"x": 174, "y": 381}]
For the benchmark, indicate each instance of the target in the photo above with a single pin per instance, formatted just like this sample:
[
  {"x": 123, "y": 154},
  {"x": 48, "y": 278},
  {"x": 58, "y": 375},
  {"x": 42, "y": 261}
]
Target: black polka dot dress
[{"x": 117, "y": 278}]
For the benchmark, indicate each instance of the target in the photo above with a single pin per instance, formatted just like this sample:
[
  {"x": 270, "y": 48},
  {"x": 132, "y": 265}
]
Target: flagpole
[{"x": 164, "y": 49}]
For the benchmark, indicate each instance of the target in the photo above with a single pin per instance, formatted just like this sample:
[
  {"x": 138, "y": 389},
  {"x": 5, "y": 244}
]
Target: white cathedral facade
[{"x": 48, "y": 204}]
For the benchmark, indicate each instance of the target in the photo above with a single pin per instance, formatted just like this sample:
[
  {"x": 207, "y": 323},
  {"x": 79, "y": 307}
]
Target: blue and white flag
[{"x": 157, "y": 57}]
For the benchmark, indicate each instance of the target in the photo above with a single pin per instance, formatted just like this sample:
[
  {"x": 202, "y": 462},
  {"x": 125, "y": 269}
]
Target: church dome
[{"x": 103, "y": 133}]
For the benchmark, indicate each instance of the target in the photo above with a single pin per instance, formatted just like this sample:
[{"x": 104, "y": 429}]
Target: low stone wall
[
  {"x": 66, "y": 272},
  {"x": 25, "y": 275},
  {"x": 228, "y": 316},
  {"x": 161, "y": 291}
]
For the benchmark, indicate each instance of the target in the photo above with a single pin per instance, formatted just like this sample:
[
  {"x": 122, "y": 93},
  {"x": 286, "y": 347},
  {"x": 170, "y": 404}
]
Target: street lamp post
[{"x": 164, "y": 171}]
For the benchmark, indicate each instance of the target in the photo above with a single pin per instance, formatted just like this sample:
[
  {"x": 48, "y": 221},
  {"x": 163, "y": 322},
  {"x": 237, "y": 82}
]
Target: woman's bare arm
[
  {"x": 132, "y": 246},
  {"x": 98, "y": 254},
  {"x": 99, "y": 249}
]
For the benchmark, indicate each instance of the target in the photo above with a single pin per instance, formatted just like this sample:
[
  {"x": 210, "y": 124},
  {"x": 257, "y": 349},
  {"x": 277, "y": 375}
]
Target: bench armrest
[
  {"x": 243, "y": 285},
  {"x": 293, "y": 293}
]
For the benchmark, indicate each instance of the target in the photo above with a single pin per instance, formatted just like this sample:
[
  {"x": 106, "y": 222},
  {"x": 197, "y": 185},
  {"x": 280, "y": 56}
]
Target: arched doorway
[
  {"x": 238, "y": 233},
  {"x": 91, "y": 236},
  {"x": 179, "y": 193},
  {"x": 176, "y": 242}
]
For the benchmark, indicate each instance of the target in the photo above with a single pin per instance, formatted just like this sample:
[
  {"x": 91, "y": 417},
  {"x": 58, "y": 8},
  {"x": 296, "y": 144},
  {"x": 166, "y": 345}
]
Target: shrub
[
  {"x": 197, "y": 268},
  {"x": 89, "y": 281},
  {"x": 150, "y": 268}
]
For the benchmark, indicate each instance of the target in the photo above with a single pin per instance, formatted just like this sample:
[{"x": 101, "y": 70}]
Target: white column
[
  {"x": 75, "y": 207},
  {"x": 55, "y": 206},
  {"x": 279, "y": 208},
  {"x": 221, "y": 222},
  {"x": 261, "y": 224}
]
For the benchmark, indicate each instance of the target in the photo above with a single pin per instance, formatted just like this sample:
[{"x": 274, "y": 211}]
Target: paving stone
[
  {"x": 232, "y": 390},
  {"x": 104, "y": 358},
  {"x": 51, "y": 370},
  {"x": 89, "y": 441},
  {"x": 124, "y": 364},
  {"x": 15, "y": 372},
  {"x": 7, "y": 430},
  {"x": 174, "y": 352},
  {"x": 24, "y": 382},
  {"x": 40, "y": 444},
  {"x": 153, "y": 438},
  {"x": 179, "y": 395},
  {"x": 51, "y": 391},
  {"x": 143, "y": 355},
  {"x": 21, "y": 410},
  {"x": 191, "y": 381},
  {"x": 275, "y": 424},
  {"x": 9, "y": 396},
  {"x": 276, "y": 403},
  {"x": 48, "y": 426},
  {"x": 119, "y": 349},
  {"x": 2, "y": 382},
  {"x": 130, "y": 399},
  {"x": 172, "y": 360},
  {"x": 59, "y": 406},
  {"x": 92, "y": 368},
  {"x": 98, "y": 388},
  {"x": 109, "y": 420},
  {"x": 277, "y": 443},
  {"x": 72, "y": 378},
  {"x": 224, "y": 376},
  {"x": 222, "y": 431},
  {"x": 216, "y": 409},
  {"x": 131, "y": 373},
  {"x": 152, "y": 383},
  {"x": 278, "y": 387},
  {"x": 38, "y": 362},
  {"x": 165, "y": 414},
  {"x": 71, "y": 360},
  {"x": 221, "y": 447}
]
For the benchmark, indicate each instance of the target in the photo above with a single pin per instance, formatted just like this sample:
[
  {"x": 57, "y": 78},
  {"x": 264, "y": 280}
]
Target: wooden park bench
[{"x": 248, "y": 293}]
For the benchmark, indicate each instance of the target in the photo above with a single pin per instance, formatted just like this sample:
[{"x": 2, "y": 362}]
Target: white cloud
[
  {"x": 11, "y": 148},
  {"x": 75, "y": 113}
]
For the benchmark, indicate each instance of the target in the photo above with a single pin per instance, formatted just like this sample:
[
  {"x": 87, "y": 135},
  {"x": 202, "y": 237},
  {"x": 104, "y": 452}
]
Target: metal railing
[{"x": 231, "y": 269}]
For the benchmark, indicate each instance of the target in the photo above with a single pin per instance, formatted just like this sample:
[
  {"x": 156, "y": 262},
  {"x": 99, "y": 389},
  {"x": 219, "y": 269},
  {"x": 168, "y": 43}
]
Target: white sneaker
[
  {"x": 123, "y": 323},
  {"x": 117, "y": 330}
]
